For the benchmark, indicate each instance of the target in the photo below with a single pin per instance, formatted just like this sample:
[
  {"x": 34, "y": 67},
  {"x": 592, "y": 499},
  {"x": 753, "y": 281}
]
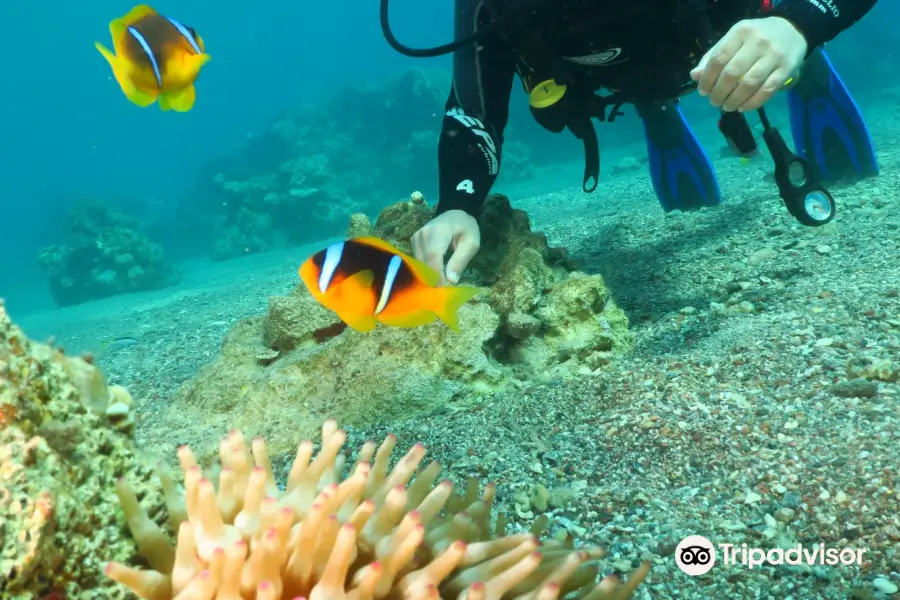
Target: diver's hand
[
  {"x": 750, "y": 63},
  {"x": 456, "y": 229}
]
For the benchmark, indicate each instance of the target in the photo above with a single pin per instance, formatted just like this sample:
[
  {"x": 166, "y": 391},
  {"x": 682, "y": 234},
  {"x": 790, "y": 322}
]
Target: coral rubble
[
  {"x": 282, "y": 373},
  {"x": 104, "y": 255},
  {"x": 370, "y": 535},
  {"x": 65, "y": 437}
]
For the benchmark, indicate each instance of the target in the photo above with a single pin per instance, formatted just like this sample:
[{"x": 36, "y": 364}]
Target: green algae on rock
[
  {"x": 281, "y": 374},
  {"x": 64, "y": 442}
]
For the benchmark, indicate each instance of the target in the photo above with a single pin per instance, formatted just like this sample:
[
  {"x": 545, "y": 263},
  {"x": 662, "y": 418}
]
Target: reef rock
[
  {"x": 283, "y": 373},
  {"x": 65, "y": 438},
  {"x": 104, "y": 255}
]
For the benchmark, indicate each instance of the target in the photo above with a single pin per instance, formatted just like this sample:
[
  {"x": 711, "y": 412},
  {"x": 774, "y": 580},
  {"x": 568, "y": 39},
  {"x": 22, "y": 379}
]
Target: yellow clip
[{"x": 546, "y": 93}]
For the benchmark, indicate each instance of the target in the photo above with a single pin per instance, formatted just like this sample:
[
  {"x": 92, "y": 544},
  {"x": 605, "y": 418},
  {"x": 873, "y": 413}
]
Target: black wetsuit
[{"x": 630, "y": 46}]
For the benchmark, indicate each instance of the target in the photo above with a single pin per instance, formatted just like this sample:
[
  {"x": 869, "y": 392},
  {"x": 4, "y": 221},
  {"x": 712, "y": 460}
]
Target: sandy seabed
[{"x": 760, "y": 406}]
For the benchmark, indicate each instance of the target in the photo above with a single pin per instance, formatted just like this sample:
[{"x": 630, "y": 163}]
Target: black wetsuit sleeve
[
  {"x": 469, "y": 150},
  {"x": 821, "y": 21}
]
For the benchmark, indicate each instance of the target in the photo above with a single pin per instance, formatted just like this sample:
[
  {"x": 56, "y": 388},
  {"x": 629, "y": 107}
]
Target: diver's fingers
[
  {"x": 751, "y": 81},
  {"x": 706, "y": 73},
  {"x": 427, "y": 247},
  {"x": 418, "y": 246},
  {"x": 466, "y": 248},
  {"x": 769, "y": 88},
  {"x": 436, "y": 247},
  {"x": 731, "y": 75}
]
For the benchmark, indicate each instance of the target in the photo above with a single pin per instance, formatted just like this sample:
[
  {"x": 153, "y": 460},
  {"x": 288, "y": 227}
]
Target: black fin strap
[{"x": 584, "y": 131}]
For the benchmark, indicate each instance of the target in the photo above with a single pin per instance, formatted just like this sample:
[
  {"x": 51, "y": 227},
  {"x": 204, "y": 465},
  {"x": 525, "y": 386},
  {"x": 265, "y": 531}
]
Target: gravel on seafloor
[{"x": 760, "y": 405}]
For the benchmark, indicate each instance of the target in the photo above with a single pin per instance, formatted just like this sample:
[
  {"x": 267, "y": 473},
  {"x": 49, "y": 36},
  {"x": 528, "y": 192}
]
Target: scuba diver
[{"x": 646, "y": 53}]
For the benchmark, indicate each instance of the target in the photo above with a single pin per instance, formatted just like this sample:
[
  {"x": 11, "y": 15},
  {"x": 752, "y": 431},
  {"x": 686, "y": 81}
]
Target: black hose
[{"x": 426, "y": 52}]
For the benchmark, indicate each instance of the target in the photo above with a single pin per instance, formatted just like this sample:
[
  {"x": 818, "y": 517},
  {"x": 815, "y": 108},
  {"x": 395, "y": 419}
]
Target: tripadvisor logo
[{"x": 696, "y": 555}]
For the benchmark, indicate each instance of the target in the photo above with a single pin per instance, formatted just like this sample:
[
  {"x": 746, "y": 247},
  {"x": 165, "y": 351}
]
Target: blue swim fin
[
  {"x": 827, "y": 125},
  {"x": 683, "y": 176}
]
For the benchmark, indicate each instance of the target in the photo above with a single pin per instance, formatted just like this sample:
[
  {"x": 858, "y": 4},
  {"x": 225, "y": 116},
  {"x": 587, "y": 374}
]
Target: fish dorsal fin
[
  {"x": 422, "y": 271},
  {"x": 136, "y": 14},
  {"x": 118, "y": 27}
]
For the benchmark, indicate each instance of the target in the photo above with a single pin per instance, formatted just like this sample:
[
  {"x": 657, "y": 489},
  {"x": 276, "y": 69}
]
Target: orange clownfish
[
  {"x": 365, "y": 280},
  {"x": 156, "y": 57}
]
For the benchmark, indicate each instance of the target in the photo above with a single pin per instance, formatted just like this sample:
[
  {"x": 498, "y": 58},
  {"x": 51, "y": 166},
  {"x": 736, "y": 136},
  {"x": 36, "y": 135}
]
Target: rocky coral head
[
  {"x": 505, "y": 232},
  {"x": 63, "y": 434},
  {"x": 285, "y": 372},
  {"x": 371, "y": 534}
]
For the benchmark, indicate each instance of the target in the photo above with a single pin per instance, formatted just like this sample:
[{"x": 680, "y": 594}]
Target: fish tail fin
[
  {"x": 121, "y": 69},
  {"x": 449, "y": 300},
  {"x": 178, "y": 100}
]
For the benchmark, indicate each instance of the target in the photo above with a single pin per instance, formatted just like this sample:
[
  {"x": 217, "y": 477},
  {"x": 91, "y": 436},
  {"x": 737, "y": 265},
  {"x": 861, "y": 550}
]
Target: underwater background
[{"x": 632, "y": 379}]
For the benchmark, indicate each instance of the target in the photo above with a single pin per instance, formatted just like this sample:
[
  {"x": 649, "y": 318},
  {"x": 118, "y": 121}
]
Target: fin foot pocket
[
  {"x": 682, "y": 173},
  {"x": 827, "y": 125}
]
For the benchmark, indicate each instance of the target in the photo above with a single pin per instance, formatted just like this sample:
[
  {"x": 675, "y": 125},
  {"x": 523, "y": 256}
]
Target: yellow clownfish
[{"x": 156, "y": 57}]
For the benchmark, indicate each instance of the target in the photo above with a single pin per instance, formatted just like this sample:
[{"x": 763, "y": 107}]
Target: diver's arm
[
  {"x": 821, "y": 21},
  {"x": 476, "y": 113}
]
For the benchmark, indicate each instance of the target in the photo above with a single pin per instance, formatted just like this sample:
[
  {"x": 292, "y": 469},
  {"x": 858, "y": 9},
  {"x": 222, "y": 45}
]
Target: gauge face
[
  {"x": 797, "y": 174},
  {"x": 817, "y": 205}
]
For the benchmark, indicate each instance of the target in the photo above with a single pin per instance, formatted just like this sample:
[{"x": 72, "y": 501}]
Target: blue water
[{"x": 68, "y": 132}]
